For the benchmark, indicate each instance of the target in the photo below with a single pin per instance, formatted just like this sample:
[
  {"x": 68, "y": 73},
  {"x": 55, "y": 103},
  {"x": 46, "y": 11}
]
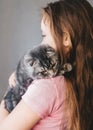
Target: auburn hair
[{"x": 77, "y": 17}]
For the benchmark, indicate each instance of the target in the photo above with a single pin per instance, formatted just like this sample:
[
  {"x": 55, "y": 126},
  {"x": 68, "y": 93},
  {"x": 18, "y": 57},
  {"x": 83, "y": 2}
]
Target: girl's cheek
[{"x": 43, "y": 42}]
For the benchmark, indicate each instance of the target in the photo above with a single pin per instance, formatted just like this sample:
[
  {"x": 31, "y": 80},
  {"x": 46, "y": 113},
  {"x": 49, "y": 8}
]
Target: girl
[{"x": 64, "y": 102}]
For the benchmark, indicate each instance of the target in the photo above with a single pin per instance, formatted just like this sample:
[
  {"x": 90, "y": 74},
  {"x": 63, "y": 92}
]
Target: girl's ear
[{"x": 67, "y": 40}]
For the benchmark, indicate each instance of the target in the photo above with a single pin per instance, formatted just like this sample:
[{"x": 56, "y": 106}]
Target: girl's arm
[
  {"x": 3, "y": 112},
  {"x": 21, "y": 118}
]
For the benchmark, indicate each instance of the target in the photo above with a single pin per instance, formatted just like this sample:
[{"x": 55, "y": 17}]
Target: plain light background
[{"x": 19, "y": 31}]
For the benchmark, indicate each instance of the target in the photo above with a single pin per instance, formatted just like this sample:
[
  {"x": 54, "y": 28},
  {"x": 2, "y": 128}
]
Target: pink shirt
[{"x": 46, "y": 97}]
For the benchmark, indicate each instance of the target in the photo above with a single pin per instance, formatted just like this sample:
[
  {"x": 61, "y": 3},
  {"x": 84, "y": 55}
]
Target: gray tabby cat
[{"x": 40, "y": 62}]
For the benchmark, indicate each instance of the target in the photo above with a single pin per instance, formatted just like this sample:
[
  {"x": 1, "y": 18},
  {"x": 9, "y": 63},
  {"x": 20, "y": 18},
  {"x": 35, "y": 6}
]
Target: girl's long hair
[{"x": 77, "y": 17}]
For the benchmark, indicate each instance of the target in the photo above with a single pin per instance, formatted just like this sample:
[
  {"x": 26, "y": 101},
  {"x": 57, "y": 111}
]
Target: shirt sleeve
[{"x": 41, "y": 96}]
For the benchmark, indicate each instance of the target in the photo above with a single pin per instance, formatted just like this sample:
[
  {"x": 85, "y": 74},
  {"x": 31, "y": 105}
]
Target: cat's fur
[{"x": 40, "y": 62}]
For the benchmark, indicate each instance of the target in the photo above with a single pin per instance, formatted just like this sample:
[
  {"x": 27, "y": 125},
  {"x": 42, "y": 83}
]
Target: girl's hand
[{"x": 12, "y": 79}]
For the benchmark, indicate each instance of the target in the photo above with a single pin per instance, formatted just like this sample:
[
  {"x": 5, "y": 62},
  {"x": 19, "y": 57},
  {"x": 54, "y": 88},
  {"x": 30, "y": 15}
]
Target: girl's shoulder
[
  {"x": 50, "y": 86},
  {"x": 48, "y": 93},
  {"x": 55, "y": 84},
  {"x": 58, "y": 80}
]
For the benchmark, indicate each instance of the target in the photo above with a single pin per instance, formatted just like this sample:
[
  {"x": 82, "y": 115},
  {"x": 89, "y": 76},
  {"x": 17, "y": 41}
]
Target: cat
[{"x": 40, "y": 62}]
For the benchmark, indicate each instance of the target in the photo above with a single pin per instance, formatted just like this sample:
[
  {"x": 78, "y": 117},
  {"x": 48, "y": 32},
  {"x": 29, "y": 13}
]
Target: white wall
[{"x": 19, "y": 31}]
